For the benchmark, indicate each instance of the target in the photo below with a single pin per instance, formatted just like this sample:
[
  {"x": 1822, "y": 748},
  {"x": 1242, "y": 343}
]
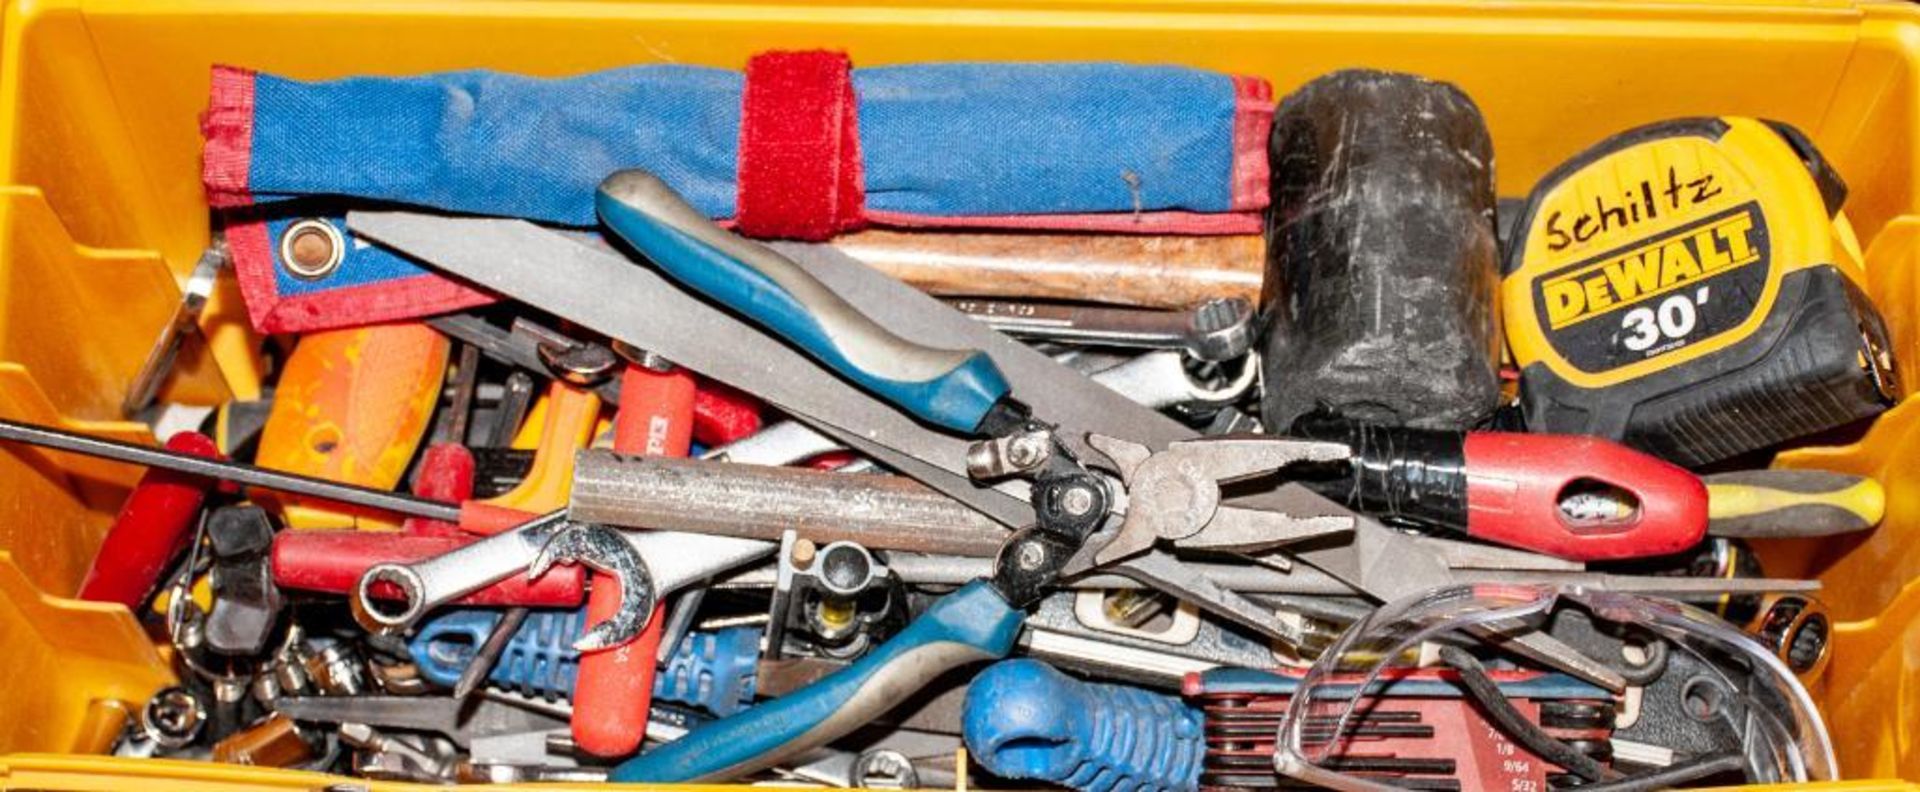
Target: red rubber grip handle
[
  {"x": 486, "y": 519},
  {"x": 153, "y": 526},
  {"x": 1580, "y": 498},
  {"x": 614, "y": 688},
  {"x": 721, "y": 414}
]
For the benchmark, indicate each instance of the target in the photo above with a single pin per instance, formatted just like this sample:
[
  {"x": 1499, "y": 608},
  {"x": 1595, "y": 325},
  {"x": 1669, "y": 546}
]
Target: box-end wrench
[
  {"x": 521, "y": 346},
  {"x": 1216, "y": 330},
  {"x": 1160, "y": 379}
]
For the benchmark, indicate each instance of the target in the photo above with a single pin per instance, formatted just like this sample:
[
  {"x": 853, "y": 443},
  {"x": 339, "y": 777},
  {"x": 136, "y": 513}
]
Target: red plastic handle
[
  {"x": 1580, "y": 498},
  {"x": 446, "y": 474},
  {"x": 721, "y": 414},
  {"x": 614, "y": 689},
  {"x": 332, "y": 562},
  {"x": 153, "y": 526}
]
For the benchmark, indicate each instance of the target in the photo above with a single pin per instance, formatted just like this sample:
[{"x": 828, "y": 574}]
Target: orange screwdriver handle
[
  {"x": 614, "y": 689},
  {"x": 353, "y": 406}
]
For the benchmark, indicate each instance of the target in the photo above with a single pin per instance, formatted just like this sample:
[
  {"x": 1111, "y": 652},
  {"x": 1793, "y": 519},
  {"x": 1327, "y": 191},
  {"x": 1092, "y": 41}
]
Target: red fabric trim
[
  {"x": 228, "y": 128},
  {"x": 799, "y": 163},
  {"x": 1252, "y": 122},
  {"x": 252, "y": 256},
  {"x": 1196, "y": 223},
  {"x": 387, "y": 301}
]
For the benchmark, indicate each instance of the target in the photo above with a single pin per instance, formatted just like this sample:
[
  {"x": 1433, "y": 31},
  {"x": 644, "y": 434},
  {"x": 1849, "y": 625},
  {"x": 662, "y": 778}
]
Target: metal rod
[
  {"x": 759, "y": 502},
  {"x": 452, "y": 427},
  {"x": 512, "y": 410},
  {"x": 481, "y": 666},
  {"x": 1255, "y": 580},
  {"x": 236, "y": 472}
]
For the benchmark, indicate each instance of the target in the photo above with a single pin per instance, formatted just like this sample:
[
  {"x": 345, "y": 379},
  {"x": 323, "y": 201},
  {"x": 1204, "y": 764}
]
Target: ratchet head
[{"x": 604, "y": 550}]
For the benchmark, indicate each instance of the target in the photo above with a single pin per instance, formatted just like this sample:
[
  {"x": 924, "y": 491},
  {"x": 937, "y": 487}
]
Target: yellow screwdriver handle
[{"x": 1785, "y": 504}]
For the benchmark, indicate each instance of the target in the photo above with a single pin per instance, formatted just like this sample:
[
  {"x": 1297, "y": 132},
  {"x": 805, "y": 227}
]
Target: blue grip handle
[
  {"x": 713, "y": 670},
  {"x": 1024, "y": 720},
  {"x": 973, "y": 623},
  {"x": 952, "y": 388}
]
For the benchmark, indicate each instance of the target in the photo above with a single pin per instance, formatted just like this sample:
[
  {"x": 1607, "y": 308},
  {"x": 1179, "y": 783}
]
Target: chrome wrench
[
  {"x": 425, "y": 585},
  {"x": 1160, "y": 379},
  {"x": 647, "y": 564},
  {"x": 1216, "y": 330}
]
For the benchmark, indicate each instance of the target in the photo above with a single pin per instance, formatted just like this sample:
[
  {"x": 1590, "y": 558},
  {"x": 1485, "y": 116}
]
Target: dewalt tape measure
[{"x": 1687, "y": 288}]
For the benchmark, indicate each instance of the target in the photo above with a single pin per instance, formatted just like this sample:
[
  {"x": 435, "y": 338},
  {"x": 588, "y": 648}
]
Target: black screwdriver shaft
[{"x": 236, "y": 472}]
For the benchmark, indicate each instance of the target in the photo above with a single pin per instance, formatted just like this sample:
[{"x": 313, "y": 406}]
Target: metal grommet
[{"x": 312, "y": 249}]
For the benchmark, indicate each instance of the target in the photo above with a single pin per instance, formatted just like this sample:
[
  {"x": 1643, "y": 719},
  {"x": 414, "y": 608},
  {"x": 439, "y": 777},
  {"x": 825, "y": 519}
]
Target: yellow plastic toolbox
[{"x": 102, "y": 216}]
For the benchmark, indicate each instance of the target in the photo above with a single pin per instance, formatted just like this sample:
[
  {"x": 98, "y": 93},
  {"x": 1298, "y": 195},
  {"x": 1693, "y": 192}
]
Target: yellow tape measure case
[{"x": 1680, "y": 287}]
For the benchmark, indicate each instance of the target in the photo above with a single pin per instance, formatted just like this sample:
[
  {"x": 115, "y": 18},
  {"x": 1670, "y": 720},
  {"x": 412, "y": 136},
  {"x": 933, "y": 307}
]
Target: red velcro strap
[{"x": 799, "y": 166}]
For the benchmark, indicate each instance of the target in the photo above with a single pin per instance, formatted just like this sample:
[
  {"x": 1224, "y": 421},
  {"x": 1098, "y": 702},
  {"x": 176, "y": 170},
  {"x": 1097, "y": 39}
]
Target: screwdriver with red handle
[
  {"x": 332, "y": 562},
  {"x": 1570, "y": 496},
  {"x": 473, "y": 516},
  {"x": 613, "y": 691},
  {"x": 154, "y": 525}
]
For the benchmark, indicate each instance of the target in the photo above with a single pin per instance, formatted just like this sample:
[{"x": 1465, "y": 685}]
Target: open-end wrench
[
  {"x": 521, "y": 346},
  {"x": 186, "y": 317},
  {"x": 603, "y": 549},
  {"x": 1215, "y": 330},
  {"x": 669, "y": 560}
]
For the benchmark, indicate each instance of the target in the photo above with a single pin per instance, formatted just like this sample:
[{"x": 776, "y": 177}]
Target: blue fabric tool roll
[
  {"x": 952, "y": 140},
  {"x": 965, "y": 144}
]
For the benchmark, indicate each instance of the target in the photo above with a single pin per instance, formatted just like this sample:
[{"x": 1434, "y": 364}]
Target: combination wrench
[
  {"x": 648, "y": 565},
  {"x": 1217, "y": 330}
]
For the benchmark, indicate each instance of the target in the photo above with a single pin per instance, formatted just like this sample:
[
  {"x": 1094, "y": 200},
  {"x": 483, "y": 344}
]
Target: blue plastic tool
[
  {"x": 1025, "y": 720},
  {"x": 953, "y": 388},
  {"x": 973, "y": 623},
  {"x": 710, "y": 670}
]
